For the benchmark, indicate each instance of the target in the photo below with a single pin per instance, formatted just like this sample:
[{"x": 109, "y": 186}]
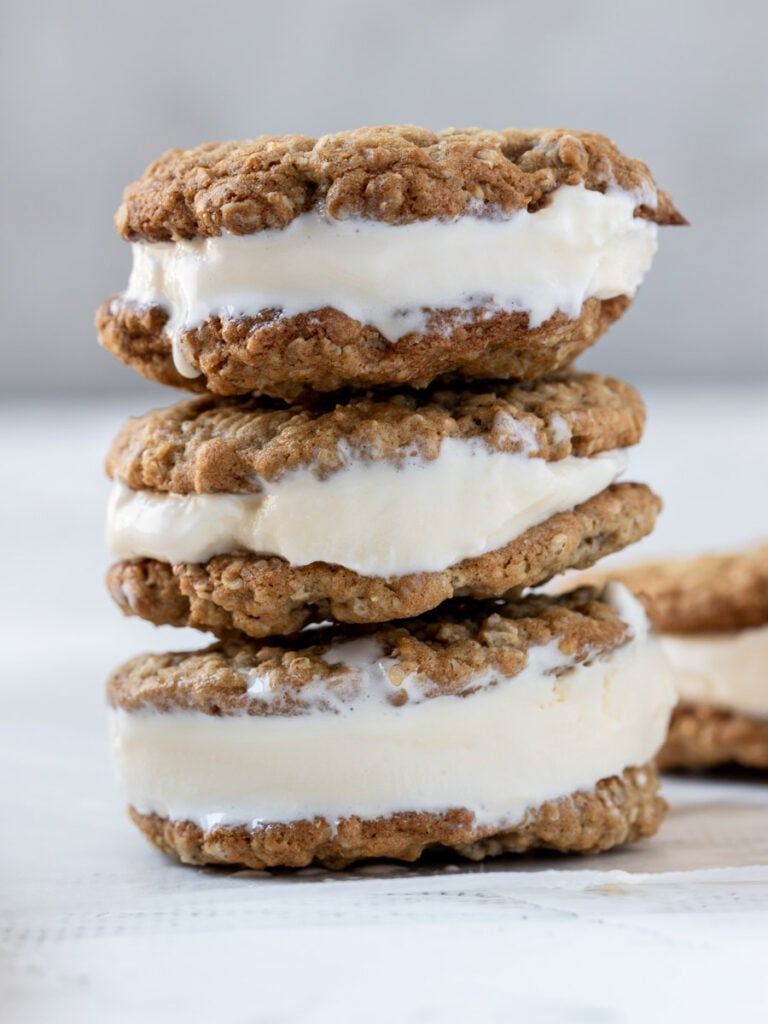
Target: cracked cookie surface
[
  {"x": 209, "y": 446},
  {"x": 447, "y": 650},
  {"x": 394, "y": 173}
]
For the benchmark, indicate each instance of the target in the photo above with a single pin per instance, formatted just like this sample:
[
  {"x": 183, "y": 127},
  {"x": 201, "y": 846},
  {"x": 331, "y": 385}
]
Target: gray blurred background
[{"x": 92, "y": 92}]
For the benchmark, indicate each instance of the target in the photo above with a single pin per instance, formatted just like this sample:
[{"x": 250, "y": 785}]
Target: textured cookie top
[
  {"x": 396, "y": 173},
  {"x": 704, "y": 593},
  {"x": 210, "y": 445},
  {"x": 447, "y": 651}
]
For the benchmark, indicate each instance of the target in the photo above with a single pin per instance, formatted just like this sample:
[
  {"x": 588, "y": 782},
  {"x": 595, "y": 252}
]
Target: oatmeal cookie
[
  {"x": 447, "y": 650},
  {"x": 291, "y": 357},
  {"x": 703, "y": 593},
  {"x": 218, "y": 446},
  {"x": 703, "y": 736},
  {"x": 396, "y": 173}
]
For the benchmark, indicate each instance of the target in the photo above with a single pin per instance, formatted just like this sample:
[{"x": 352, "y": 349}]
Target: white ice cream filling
[
  {"x": 729, "y": 670},
  {"x": 553, "y": 729},
  {"x": 584, "y": 244},
  {"x": 377, "y": 518}
]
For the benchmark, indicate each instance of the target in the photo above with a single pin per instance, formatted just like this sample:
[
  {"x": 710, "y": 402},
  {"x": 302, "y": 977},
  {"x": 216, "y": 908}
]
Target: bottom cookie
[
  {"x": 618, "y": 810},
  {"x": 703, "y": 736}
]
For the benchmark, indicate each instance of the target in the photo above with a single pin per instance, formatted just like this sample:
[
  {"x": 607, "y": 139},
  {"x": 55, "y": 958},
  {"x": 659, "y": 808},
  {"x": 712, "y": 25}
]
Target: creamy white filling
[
  {"x": 499, "y": 751},
  {"x": 726, "y": 669},
  {"x": 583, "y": 244},
  {"x": 376, "y": 518}
]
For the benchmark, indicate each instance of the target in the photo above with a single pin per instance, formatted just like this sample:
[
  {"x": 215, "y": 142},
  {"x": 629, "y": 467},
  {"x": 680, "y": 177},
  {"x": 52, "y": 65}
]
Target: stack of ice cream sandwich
[{"x": 389, "y": 453}]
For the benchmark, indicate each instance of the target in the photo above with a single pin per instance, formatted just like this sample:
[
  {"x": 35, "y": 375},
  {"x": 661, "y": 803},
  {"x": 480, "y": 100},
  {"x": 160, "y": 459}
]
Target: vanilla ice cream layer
[
  {"x": 549, "y": 731},
  {"x": 583, "y": 244},
  {"x": 376, "y": 518},
  {"x": 729, "y": 670}
]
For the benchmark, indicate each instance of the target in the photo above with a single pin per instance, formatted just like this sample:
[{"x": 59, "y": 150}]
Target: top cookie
[
  {"x": 217, "y": 446},
  {"x": 704, "y": 593},
  {"x": 450, "y": 652},
  {"x": 379, "y": 257},
  {"x": 395, "y": 173}
]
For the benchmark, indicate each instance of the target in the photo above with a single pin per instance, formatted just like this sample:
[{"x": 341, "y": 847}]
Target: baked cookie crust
[
  {"x": 703, "y": 594},
  {"x": 290, "y": 356},
  {"x": 705, "y": 736},
  {"x": 620, "y": 809},
  {"x": 209, "y": 445},
  {"x": 266, "y": 596},
  {"x": 394, "y": 173}
]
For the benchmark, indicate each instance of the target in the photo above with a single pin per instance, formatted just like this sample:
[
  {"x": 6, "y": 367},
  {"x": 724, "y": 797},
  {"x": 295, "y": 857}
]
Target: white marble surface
[{"x": 95, "y": 926}]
